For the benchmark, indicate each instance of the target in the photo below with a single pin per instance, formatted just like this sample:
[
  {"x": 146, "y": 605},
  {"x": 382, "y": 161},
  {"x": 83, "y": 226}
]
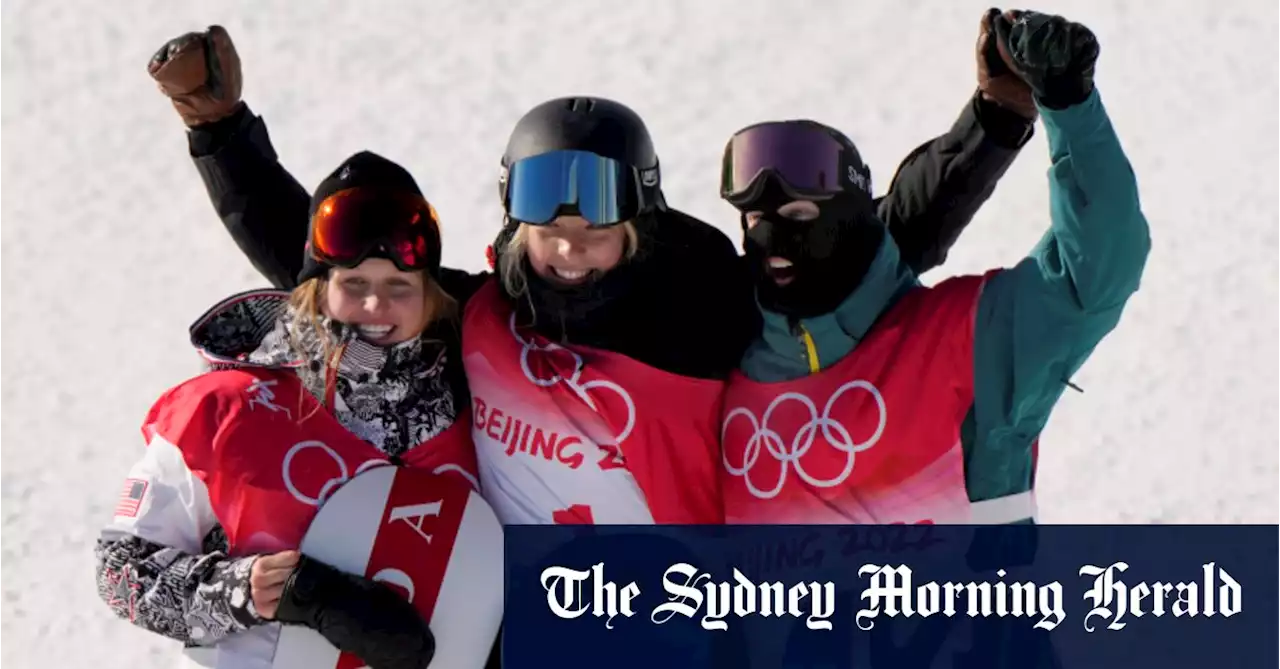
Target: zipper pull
[{"x": 810, "y": 349}]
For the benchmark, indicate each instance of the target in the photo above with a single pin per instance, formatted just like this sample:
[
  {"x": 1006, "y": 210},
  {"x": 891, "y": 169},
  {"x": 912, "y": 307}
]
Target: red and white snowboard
[{"x": 430, "y": 537}]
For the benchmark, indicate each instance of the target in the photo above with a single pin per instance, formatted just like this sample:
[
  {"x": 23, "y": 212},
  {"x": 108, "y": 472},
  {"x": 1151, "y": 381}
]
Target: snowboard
[{"x": 430, "y": 537}]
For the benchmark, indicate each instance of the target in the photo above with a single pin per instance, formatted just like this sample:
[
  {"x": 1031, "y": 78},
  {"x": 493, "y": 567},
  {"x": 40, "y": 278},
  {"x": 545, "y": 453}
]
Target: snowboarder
[
  {"x": 357, "y": 368},
  {"x": 871, "y": 399}
]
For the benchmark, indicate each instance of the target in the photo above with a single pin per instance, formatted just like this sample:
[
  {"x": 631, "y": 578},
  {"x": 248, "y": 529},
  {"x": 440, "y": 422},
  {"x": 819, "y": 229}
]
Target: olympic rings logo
[
  {"x": 574, "y": 381},
  {"x": 789, "y": 455},
  {"x": 329, "y": 486},
  {"x": 333, "y": 483}
]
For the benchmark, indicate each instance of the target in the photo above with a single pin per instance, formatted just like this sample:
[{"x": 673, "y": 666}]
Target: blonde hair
[
  {"x": 511, "y": 257},
  {"x": 307, "y": 298}
]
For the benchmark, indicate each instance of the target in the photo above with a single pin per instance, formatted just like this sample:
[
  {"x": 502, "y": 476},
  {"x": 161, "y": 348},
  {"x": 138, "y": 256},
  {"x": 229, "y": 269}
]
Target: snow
[{"x": 110, "y": 247}]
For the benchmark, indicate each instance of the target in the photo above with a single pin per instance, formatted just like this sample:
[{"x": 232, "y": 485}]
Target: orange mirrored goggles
[{"x": 354, "y": 224}]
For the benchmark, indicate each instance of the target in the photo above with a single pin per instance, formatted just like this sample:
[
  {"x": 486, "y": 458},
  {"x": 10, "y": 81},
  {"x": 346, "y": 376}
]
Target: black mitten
[
  {"x": 1054, "y": 56},
  {"x": 357, "y": 615}
]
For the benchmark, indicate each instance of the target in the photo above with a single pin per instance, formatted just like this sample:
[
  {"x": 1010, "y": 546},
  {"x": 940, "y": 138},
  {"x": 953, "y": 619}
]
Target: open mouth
[
  {"x": 376, "y": 334},
  {"x": 570, "y": 277},
  {"x": 780, "y": 270}
]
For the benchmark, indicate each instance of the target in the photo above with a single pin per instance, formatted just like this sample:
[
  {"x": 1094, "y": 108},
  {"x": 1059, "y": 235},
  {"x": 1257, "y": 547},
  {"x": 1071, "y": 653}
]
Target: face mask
[{"x": 829, "y": 255}]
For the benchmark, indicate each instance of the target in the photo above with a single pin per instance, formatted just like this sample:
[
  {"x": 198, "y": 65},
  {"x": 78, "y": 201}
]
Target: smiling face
[
  {"x": 569, "y": 251},
  {"x": 385, "y": 305}
]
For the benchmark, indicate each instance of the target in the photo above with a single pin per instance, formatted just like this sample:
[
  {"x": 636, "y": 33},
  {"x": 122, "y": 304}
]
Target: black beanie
[{"x": 362, "y": 170}]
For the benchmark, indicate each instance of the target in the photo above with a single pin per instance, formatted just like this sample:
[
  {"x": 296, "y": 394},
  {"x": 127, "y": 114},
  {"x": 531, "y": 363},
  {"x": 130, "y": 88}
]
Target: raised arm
[
  {"x": 942, "y": 184},
  {"x": 1038, "y": 322},
  {"x": 263, "y": 207}
]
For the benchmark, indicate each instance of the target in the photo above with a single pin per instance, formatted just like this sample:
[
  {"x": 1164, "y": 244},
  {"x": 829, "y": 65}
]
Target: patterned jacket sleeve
[{"x": 161, "y": 561}]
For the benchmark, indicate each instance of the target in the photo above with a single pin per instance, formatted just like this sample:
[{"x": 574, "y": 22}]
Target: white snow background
[{"x": 110, "y": 247}]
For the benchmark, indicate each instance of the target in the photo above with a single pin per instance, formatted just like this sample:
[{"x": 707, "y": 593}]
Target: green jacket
[{"x": 1036, "y": 323}]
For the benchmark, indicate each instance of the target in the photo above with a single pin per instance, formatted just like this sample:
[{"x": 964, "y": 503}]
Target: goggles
[
  {"x": 601, "y": 190},
  {"x": 351, "y": 225},
  {"x": 806, "y": 159}
]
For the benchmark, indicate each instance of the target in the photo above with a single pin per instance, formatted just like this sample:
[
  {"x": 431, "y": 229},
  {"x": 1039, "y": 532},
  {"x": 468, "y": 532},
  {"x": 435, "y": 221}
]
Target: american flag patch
[{"x": 130, "y": 498}]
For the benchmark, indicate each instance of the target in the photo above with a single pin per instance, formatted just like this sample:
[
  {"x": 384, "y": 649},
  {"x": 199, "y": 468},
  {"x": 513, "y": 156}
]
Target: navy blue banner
[{"x": 893, "y": 597}]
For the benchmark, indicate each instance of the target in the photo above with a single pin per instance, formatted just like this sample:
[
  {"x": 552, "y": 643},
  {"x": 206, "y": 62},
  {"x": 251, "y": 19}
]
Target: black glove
[
  {"x": 357, "y": 615},
  {"x": 1054, "y": 56}
]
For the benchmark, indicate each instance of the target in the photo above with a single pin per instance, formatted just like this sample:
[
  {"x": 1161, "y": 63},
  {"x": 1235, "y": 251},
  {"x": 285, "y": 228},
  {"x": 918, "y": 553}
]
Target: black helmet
[{"x": 603, "y": 127}]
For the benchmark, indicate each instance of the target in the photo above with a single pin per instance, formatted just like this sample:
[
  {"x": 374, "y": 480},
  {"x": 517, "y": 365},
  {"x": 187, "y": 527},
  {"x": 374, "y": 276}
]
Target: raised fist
[
  {"x": 996, "y": 78},
  {"x": 1053, "y": 55},
  {"x": 200, "y": 73}
]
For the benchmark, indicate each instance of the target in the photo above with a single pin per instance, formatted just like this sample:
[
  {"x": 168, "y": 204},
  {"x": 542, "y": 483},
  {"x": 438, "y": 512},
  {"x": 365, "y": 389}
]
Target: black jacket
[{"x": 689, "y": 306}]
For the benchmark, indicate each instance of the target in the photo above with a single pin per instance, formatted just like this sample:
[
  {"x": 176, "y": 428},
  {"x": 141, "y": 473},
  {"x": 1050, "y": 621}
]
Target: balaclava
[{"x": 829, "y": 255}]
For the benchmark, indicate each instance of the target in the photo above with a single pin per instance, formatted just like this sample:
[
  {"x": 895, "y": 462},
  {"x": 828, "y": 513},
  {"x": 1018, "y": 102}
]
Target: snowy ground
[{"x": 110, "y": 247}]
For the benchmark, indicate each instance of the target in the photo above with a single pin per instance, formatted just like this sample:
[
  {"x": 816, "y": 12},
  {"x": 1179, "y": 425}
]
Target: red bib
[
  {"x": 270, "y": 454},
  {"x": 579, "y": 435},
  {"x": 875, "y": 438}
]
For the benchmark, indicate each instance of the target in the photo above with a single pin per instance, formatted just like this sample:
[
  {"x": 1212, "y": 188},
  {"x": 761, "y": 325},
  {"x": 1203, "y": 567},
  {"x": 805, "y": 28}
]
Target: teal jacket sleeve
[{"x": 1037, "y": 322}]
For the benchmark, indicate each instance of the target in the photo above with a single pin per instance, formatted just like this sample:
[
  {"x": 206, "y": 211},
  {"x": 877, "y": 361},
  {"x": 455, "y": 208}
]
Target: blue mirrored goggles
[{"x": 572, "y": 183}]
